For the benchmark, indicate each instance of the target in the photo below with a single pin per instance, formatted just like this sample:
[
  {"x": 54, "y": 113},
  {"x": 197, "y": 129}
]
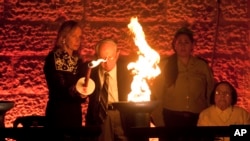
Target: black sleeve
[{"x": 61, "y": 84}]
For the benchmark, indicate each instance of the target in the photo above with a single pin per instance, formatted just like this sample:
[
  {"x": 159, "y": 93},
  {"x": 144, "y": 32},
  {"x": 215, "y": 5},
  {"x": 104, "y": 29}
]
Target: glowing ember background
[{"x": 28, "y": 30}]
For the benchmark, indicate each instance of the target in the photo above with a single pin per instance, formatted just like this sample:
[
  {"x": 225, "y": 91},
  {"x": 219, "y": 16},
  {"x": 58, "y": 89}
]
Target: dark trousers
[
  {"x": 179, "y": 119},
  {"x": 112, "y": 128},
  {"x": 176, "y": 120}
]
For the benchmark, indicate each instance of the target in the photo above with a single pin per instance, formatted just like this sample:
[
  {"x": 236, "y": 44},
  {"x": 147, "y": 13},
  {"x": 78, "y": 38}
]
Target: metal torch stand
[
  {"x": 136, "y": 120},
  {"x": 135, "y": 115}
]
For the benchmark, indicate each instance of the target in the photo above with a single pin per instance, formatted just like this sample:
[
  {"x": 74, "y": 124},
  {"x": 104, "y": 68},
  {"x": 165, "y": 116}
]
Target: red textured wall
[{"x": 28, "y": 29}]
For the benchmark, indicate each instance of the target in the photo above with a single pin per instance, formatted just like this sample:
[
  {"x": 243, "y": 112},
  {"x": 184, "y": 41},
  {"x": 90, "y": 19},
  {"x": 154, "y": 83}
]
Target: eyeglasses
[
  {"x": 108, "y": 58},
  {"x": 224, "y": 93}
]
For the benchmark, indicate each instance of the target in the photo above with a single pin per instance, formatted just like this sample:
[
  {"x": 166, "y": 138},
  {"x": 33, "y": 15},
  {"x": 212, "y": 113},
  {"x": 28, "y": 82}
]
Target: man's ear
[{"x": 118, "y": 53}]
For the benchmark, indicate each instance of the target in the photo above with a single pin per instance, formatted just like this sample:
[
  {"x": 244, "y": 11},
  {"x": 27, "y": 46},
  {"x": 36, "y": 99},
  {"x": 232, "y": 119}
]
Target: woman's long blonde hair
[{"x": 66, "y": 28}]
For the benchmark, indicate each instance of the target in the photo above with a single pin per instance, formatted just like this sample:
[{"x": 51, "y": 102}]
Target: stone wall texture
[{"x": 28, "y": 29}]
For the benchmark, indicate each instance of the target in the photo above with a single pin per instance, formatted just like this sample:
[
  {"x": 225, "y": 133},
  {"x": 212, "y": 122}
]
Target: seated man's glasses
[{"x": 224, "y": 93}]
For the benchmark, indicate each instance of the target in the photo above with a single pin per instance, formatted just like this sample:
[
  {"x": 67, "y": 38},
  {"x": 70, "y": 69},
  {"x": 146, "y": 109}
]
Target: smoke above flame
[{"x": 145, "y": 68}]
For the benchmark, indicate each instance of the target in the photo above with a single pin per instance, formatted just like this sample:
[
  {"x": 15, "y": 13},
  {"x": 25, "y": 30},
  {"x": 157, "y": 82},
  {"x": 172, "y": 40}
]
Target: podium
[{"x": 4, "y": 107}]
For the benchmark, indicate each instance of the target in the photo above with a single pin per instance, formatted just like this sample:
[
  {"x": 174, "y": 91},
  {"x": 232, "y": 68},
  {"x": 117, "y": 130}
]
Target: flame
[
  {"x": 95, "y": 63},
  {"x": 145, "y": 68}
]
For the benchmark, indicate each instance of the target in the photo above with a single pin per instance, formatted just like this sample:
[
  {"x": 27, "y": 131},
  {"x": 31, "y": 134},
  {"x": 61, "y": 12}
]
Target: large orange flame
[{"x": 145, "y": 68}]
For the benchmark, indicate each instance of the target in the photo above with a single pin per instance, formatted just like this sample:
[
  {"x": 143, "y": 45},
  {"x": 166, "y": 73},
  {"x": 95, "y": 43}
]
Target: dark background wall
[{"x": 28, "y": 29}]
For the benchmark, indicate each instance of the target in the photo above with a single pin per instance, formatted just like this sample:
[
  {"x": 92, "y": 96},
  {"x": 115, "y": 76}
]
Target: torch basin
[{"x": 136, "y": 114}]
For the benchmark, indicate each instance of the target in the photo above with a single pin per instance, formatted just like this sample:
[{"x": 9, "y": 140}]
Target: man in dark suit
[{"x": 118, "y": 89}]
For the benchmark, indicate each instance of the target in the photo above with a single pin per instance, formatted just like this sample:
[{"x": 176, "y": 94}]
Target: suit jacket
[{"x": 124, "y": 79}]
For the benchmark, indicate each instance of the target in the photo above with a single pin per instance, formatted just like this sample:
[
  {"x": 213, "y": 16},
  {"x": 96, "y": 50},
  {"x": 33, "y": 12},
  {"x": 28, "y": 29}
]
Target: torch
[{"x": 85, "y": 85}]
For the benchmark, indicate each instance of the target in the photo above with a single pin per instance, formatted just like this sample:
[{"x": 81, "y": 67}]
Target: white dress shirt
[{"x": 112, "y": 88}]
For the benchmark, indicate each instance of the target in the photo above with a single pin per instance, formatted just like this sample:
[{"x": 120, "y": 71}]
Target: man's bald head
[{"x": 107, "y": 49}]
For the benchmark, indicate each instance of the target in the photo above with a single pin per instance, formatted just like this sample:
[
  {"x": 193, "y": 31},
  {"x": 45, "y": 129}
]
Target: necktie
[{"x": 104, "y": 97}]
